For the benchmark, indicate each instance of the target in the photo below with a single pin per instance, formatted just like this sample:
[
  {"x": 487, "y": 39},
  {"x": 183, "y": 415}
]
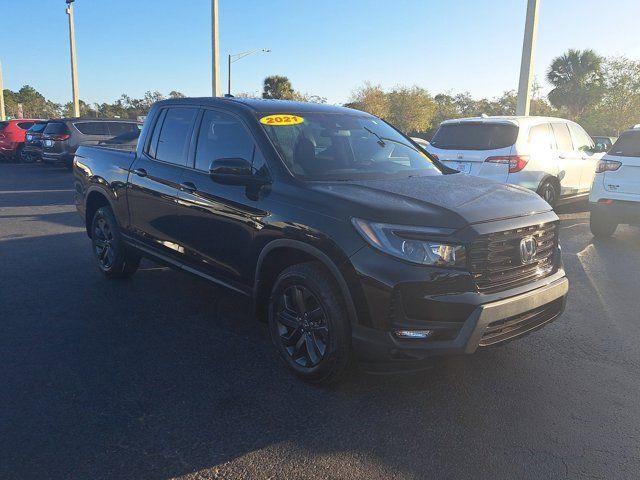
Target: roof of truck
[
  {"x": 261, "y": 105},
  {"x": 513, "y": 119}
]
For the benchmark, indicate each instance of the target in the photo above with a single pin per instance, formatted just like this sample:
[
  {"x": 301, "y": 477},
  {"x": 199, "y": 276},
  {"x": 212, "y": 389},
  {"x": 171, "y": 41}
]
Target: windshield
[
  {"x": 628, "y": 145},
  {"x": 337, "y": 146},
  {"x": 475, "y": 136}
]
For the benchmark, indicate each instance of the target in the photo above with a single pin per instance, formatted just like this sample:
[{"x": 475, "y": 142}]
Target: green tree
[
  {"x": 577, "y": 79},
  {"x": 619, "y": 107},
  {"x": 278, "y": 87},
  {"x": 411, "y": 109},
  {"x": 372, "y": 99}
]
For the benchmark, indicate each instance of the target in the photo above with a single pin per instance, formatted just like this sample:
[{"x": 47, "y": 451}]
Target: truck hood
[{"x": 448, "y": 201}]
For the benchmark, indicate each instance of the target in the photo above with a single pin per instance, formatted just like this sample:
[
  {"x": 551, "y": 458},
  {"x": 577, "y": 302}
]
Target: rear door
[
  {"x": 153, "y": 183},
  {"x": 569, "y": 160},
  {"x": 465, "y": 146},
  {"x": 627, "y": 178},
  {"x": 584, "y": 145}
]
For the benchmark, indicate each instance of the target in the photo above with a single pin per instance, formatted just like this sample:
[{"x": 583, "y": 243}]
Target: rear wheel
[
  {"x": 18, "y": 155},
  {"x": 549, "y": 192},
  {"x": 309, "y": 324},
  {"x": 602, "y": 226},
  {"x": 113, "y": 258}
]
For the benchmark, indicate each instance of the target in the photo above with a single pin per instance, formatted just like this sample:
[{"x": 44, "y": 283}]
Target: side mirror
[{"x": 234, "y": 171}]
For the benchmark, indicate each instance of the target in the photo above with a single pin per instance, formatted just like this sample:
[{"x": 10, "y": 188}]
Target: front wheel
[
  {"x": 111, "y": 253},
  {"x": 602, "y": 226},
  {"x": 309, "y": 323},
  {"x": 549, "y": 192}
]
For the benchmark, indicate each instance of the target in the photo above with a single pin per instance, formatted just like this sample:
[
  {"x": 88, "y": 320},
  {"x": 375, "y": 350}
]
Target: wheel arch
[
  {"x": 95, "y": 198},
  {"x": 282, "y": 253}
]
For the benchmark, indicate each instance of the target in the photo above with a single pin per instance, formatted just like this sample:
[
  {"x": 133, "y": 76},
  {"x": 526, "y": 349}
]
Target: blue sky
[{"x": 326, "y": 47}]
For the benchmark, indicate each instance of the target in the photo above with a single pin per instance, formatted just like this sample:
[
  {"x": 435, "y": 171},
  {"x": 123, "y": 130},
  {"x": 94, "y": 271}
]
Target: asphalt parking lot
[{"x": 167, "y": 376}]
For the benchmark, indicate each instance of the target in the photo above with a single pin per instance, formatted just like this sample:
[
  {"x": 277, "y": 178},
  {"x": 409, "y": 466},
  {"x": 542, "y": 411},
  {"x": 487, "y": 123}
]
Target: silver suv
[{"x": 551, "y": 156}]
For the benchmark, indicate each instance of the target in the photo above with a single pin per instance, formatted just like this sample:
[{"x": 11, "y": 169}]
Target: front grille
[
  {"x": 506, "y": 329},
  {"x": 495, "y": 262}
]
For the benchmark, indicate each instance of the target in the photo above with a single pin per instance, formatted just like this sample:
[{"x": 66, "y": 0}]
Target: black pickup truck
[{"x": 350, "y": 241}]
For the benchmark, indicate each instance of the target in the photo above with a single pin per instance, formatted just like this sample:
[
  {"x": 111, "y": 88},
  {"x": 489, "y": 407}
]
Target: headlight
[{"x": 412, "y": 243}]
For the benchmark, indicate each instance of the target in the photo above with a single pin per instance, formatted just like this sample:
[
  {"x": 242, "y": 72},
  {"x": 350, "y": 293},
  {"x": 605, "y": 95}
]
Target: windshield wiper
[{"x": 380, "y": 140}]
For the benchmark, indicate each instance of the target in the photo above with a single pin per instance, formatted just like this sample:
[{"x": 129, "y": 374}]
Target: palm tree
[{"x": 577, "y": 80}]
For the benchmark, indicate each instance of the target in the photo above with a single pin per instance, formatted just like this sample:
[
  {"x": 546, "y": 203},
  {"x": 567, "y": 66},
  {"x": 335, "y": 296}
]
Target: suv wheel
[
  {"x": 602, "y": 226},
  {"x": 18, "y": 155},
  {"x": 112, "y": 256},
  {"x": 309, "y": 324},
  {"x": 549, "y": 192}
]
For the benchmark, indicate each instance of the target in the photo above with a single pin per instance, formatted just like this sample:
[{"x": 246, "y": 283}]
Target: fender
[{"x": 321, "y": 257}]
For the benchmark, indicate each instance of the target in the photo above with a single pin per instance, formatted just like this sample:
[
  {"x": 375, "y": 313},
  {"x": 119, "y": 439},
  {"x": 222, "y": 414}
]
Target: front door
[
  {"x": 218, "y": 221},
  {"x": 154, "y": 180},
  {"x": 584, "y": 146}
]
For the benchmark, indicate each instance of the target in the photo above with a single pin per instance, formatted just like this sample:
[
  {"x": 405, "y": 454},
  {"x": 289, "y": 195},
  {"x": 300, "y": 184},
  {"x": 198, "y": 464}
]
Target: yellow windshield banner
[{"x": 281, "y": 119}]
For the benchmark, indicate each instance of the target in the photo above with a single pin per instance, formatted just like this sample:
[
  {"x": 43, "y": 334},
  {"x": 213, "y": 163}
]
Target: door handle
[
  {"x": 141, "y": 172},
  {"x": 187, "y": 187},
  {"x": 562, "y": 157}
]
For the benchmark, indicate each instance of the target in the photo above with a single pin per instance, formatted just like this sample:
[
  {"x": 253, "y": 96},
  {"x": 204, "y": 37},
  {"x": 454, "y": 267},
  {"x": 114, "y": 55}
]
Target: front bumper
[{"x": 488, "y": 324}]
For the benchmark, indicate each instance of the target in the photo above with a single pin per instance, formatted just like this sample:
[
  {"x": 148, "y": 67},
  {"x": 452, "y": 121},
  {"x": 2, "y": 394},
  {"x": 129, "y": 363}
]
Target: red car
[{"x": 12, "y": 134}]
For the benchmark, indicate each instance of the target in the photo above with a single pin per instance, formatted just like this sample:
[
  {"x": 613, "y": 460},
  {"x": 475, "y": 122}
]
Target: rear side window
[
  {"x": 581, "y": 140},
  {"x": 563, "y": 138},
  {"x": 3, "y": 125},
  {"x": 118, "y": 128},
  {"x": 37, "y": 128},
  {"x": 92, "y": 128},
  {"x": 475, "y": 136},
  {"x": 628, "y": 145},
  {"x": 540, "y": 137},
  {"x": 25, "y": 125},
  {"x": 56, "y": 128},
  {"x": 174, "y": 135},
  {"x": 222, "y": 136}
]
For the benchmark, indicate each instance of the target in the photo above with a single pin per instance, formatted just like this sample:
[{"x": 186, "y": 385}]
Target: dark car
[
  {"x": 63, "y": 136},
  {"x": 32, "y": 151},
  {"x": 124, "y": 141},
  {"x": 346, "y": 237}
]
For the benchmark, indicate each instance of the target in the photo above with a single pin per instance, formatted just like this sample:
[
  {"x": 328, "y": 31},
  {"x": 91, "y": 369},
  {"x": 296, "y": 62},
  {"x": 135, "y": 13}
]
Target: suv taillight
[
  {"x": 608, "y": 166},
  {"x": 515, "y": 162}
]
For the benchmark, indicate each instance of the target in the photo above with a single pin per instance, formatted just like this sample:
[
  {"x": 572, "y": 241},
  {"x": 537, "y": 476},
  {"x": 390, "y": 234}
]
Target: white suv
[
  {"x": 551, "y": 156},
  {"x": 615, "y": 194}
]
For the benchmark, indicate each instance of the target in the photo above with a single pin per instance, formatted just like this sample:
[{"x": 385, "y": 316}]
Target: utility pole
[
  {"x": 528, "y": 54},
  {"x": 2, "y": 112},
  {"x": 235, "y": 58},
  {"x": 215, "y": 50},
  {"x": 74, "y": 65}
]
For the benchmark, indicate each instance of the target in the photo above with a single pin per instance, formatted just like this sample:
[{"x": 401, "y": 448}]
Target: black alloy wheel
[
  {"x": 302, "y": 326},
  {"x": 103, "y": 243}
]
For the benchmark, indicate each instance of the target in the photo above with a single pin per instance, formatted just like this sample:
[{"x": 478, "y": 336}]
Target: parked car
[
  {"x": 554, "y": 157},
  {"x": 349, "y": 240},
  {"x": 615, "y": 195},
  {"x": 124, "y": 141},
  {"x": 62, "y": 137},
  {"x": 12, "y": 134},
  {"x": 32, "y": 151},
  {"x": 604, "y": 143}
]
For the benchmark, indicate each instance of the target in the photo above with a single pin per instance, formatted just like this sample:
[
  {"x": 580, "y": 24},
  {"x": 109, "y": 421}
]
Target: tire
[
  {"x": 18, "y": 155},
  {"x": 549, "y": 193},
  {"x": 601, "y": 226},
  {"x": 309, "y": 323},
  {"x": 112, "y": 256}
]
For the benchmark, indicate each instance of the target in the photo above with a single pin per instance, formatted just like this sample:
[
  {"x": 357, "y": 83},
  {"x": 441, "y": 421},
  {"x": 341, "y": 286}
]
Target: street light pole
[
  {"x": 528, "y": 54},
  {"x": 237, "y": 56},
  {"x": 215, "y": 50},
  {"x": 2, "y": 112},
  {"x": 74, "y": 64}
]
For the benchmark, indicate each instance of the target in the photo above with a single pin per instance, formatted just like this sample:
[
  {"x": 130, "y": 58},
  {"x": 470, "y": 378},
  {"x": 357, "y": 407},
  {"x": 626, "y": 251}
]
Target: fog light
[{"x": 413, "y": 333}]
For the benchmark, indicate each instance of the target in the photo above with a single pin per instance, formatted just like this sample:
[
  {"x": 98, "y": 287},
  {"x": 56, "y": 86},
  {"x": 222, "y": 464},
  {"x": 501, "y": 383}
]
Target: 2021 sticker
[{"x": 280, "y": 120}]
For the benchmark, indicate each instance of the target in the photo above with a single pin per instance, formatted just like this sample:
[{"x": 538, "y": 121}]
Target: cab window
[{"x": 222, "y": 135}]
